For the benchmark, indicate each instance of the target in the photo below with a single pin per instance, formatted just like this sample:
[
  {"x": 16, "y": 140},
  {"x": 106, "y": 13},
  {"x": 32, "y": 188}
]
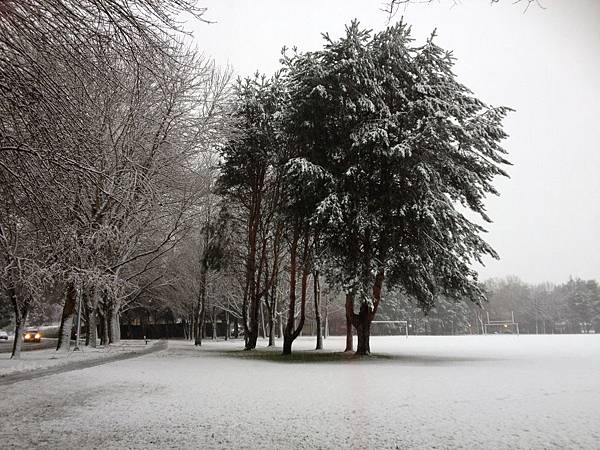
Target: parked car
[
  {"x": 3, "y": 335},
  {"x": 32, "y": 335}
]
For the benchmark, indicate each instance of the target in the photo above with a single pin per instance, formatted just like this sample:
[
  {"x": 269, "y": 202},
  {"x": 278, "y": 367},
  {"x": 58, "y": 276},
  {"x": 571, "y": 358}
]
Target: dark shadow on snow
[{"x": 274, "y": 355}]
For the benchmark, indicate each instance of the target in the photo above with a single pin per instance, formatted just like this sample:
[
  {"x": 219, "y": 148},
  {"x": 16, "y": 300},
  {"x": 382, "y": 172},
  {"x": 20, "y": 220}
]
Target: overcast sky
[{"x": 543, "y": 63}]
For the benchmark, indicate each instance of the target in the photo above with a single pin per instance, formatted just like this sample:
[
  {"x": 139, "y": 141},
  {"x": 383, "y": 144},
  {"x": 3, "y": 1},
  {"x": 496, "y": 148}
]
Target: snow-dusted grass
[
  {"x": 47, "y": 358},
  {"x": 492, "y": 392}
]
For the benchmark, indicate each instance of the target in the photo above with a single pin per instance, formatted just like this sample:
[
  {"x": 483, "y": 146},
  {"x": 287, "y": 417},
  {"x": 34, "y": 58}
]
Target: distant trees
[{"x": 571, "y": 307}]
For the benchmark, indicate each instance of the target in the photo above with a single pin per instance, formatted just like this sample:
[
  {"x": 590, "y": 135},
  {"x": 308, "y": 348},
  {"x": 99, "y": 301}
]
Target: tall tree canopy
[{"x": 399, "y": 150}]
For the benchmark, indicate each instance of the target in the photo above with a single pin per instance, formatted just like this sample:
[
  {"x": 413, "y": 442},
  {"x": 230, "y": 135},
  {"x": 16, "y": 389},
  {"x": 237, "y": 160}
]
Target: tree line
[
  {"x": 134, "y": 172},
  {"x": 348, "y": 170},
  {"x": 107, "y": 123}
]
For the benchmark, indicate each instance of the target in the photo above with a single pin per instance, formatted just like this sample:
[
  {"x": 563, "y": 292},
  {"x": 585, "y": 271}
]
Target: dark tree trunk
[
  {"x": 250, "y": 306},
  {"x": 214, "y": 323},
  {"x": 18, "y": 342},
  {"x": 349, "y": 314},
  {"x": 326, "y": 324},
  {"x": 92, "y": 318},
  {"x": 262, "y": 322},
  {"x": 317, "y": 298},
  {"x": 114, "y": 332},
  {"x": 270, "y": 302},
  {"x": 92, "y": 333},
  {"x": 252, "y": 336},
  {"x": 290, "y": 333},
  {"x": 363, "y": 320},
  {"x": 199, "y": 330},
  {"x": 289, "y": 327},
  {"x": 86, "y": 319},
  {"x": 236, "y": 328},
  {"x": 271, "y": 332},
  {"x": 226, "y": 325},
  {"x": 287, "y": 344},
  {"x": 363, "y": 328},
  {"x": 104, "y": 339},
  {"x": 21, "y": 310},
  {"x": 194, "y": 322},
  {"x": 66, "y": 321}
]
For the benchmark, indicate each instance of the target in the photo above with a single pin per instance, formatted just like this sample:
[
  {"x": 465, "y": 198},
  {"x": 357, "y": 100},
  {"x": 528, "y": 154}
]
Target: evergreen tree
[
  {"x": 251, "y": 180},
  {"x": 401, "y": 149}
]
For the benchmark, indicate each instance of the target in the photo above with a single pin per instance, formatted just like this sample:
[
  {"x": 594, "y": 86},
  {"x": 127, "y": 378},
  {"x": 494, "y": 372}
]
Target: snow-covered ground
[
  {"x": 492, "y": 392},
  {"x": 31, "y": 361}
]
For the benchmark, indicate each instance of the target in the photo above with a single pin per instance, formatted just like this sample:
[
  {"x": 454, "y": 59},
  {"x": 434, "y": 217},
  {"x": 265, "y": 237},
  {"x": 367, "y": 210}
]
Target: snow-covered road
[{"x": 467, "y": 392}]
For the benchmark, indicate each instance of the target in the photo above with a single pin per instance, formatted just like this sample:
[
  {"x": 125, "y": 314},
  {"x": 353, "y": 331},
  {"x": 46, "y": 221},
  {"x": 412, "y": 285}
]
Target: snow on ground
[
  {"x": 488, "y": 392},
  {"x": 44, "y": 359}
]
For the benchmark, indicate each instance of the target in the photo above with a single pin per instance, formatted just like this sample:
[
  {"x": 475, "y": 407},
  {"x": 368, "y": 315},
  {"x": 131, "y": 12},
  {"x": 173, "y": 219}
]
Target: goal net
[
  {"x": 501, "y": 328},
  {"x": 389, "y": 328},
  {"x": 506, "y": 326}
]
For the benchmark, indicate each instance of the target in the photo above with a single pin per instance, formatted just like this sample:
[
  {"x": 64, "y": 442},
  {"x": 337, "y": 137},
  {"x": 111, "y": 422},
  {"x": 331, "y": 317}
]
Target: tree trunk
[
  {"x": 252, "y": 323},
  {"x": 214, "y": 323},
  {"x": 365, "y": 317},
  {"x": 326, "y": 325},
  {"x": 271, "y": 332},
  {"x": 317, "y": 298},
  {"x": 236, "y": 328},
  {"x": 91, "y": 337},
  {"x": 21, "y": 312},
  {"x": 290, "y": 334},
  {"x": 66, "y": 321},
  {"x": 202, "y": 310},
  {"x": 252, "y": 335},
  {"x": 280, "y": 325},
  {"x": 194, "y": 322},
  {"x": 289, "y": 327},
  {"x": 104, "y": 338},
  {"x": 363, "y": 329},
  {"x": 92, "y": 318},
  {"x": 349, "y": 313},
  {"x": 262, "y": 321},
  {"x": 270, "y": 302},
  {"x": 202, "y": 325},
  {"x": 226, "y": 325},
  {"x": 287, "y": 344},
  {"x": 114, "y": 332},
  {"x": 18, "y": 342}
]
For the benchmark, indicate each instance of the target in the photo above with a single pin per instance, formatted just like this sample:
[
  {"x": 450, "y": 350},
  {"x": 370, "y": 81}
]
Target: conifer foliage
[
  {"x": 383, "y": 152},
  {"x": 401, "y": 144}
]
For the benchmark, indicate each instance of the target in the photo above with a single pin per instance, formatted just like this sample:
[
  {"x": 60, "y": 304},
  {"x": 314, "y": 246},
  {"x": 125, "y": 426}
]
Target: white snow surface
[
  {"x": 471, "y": 392},
  {"x": 31, "y": 361}
]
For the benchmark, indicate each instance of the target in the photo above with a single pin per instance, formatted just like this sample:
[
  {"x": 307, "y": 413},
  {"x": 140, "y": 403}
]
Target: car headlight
[
  {"x": 38, "y": 335},
  {"x": 27, "y": 336}
]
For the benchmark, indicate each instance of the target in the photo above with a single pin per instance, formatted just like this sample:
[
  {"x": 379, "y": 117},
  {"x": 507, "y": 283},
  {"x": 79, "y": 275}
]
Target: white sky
[{"x": 543, "y": 63}]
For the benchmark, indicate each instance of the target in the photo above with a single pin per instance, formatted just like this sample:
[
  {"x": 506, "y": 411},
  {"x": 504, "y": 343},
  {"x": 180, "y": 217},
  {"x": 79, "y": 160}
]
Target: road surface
[{"x": 6, "y": 346}]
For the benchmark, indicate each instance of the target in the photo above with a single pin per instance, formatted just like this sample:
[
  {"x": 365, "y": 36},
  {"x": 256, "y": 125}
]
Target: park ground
[{"x": 488, "y": 392}]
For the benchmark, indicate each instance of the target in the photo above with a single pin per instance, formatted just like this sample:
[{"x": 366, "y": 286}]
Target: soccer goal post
[
  {"x": 501, "y": 326},
  {"x": 389, "y": 328}
]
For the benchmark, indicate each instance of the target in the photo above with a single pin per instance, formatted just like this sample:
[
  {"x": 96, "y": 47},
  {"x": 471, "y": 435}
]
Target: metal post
[{"x": 78, "y": 319}]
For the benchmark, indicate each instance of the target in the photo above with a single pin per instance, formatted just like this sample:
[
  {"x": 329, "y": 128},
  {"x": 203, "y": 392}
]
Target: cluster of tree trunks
[{"x": 362, "y": 321}]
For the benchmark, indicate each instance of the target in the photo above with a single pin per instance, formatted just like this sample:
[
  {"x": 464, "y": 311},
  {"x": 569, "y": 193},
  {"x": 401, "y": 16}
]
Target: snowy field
[{"x": 492, "y": 392}]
